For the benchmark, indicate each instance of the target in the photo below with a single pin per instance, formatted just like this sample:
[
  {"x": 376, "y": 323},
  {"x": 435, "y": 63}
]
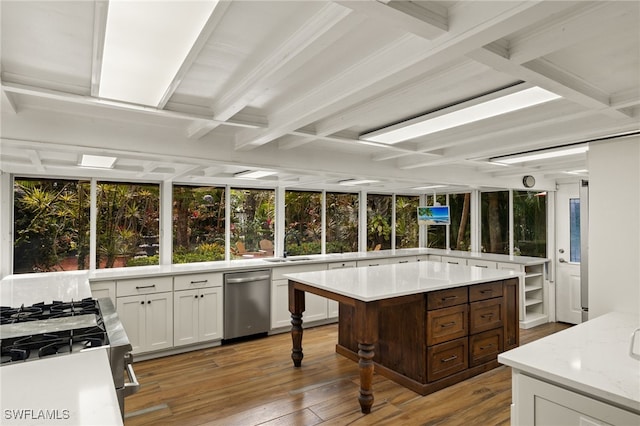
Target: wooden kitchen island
[{"x": 425, "y": 325}]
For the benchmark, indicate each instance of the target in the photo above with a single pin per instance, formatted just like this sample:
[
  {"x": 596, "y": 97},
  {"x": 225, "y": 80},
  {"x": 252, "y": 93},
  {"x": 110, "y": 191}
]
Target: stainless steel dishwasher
[{"x": 247, "y": 303}]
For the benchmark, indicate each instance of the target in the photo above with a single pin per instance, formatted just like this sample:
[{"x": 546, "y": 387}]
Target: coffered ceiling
[{"x": 291, "y": 87}]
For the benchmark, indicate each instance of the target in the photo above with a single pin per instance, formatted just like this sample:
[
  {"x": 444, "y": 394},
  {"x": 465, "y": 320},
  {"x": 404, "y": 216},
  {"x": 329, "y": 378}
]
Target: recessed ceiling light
[
  {"x": 145, "y": 44},
  {"x": 540, "y": 155},
  {"x": 442, "y": 120},
  {"x": 97, "y": 161},
  {"x": 254, "y": 174},
  {"x": 351, "y": 182}
]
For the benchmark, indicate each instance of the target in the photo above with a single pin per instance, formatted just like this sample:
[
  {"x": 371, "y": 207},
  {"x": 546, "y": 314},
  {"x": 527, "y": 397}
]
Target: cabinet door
[
  {"x": 159, "y": 317},
  {"x": 511, "y": 325},
  {"x": 185, "y": 308},
  {"x": 131, "y": 311},
  {"x": 210, "y": 314},
  {"x": 280, "y": 315},
  {"x": 315, "y": 307}
]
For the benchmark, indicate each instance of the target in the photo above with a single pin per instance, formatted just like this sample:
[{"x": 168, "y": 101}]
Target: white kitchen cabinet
[
  {"x": 315, "y": 306},
  {"x": 434, "y": 257},
  {"x": 403, "y": 259},
  {"x": 102, "y": 289},
  {"x": 148, "y": 320},
  {"x": 198, "y": 308},
  {"x": 482, "y": 263},
  {"x": 375, "y": 262},
  {"x": 145, "y": 307},
  {"x": 532, "y": 310},
  {"x": 423, "y": 257},
  {"x": 453, "y": 260},
  {"x": 537, "y": 402}
]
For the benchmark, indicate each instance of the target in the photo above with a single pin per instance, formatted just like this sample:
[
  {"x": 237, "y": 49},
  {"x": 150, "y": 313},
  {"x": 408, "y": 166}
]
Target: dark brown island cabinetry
[{"x": 432, "y": 340}]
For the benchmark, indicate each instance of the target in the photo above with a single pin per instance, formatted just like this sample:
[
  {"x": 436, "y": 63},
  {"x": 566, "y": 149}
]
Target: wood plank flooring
[{"x": 255, "y": 383}]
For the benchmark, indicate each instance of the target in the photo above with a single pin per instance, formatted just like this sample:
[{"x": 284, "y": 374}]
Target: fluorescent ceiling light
[
  {"x": 145, "y": 44},
  {"x": 254, "y": 174},
  {"x": 442, "y": 120},
  {"x": 97, "y": 161},
  {"x": 540, "y": 155},
  {"x": 352, "y": 182},
  {"x": 577, "y": 172},
  {"x": 430, "y": 187}
]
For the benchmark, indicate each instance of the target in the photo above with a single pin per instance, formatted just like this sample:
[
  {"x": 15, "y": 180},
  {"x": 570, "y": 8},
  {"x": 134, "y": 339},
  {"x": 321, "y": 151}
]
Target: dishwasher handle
[{"x": 247, "y": 279}]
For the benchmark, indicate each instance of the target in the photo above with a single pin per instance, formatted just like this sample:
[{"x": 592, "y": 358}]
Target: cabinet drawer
[
  {"x": 485, "y": 291},
  {"x": 485, "y": 315},
  {"x": 446, "y": 359},
  {"x": 143, "y": 286},
  {"x": 485, "y": 347},
  {"x": 443, "y": 298},
  {"x": 191, "y": 281},
  {"x": 482, "y": 264},
  {"x": 454, "y": 260},
  {"x": 447, "y": 324}
]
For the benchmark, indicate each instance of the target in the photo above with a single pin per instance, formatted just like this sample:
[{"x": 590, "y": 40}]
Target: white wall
[{"x": 614, "y": 226}]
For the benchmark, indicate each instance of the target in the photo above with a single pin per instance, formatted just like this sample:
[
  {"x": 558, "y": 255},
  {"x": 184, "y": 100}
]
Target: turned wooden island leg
[
  {"x": 296, "y": 307},
  {"x": 366, "y": 326}
]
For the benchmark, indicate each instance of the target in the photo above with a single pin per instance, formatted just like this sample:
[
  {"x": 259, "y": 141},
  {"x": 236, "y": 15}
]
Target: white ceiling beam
[
  {"x": 9, "y": 101},
  {"x": 626, "y": 98},
  {"x": 543, "y": 74},
  {"x": 423, "y": 19},
  {"x": 35, "y": 159},
  {"x": 472, "y": 25},
  {"x": 100, "y": 12},
  {"x": 567, "y": 29},
  {"x": 115, "y": 105},
  {"x": 240, "y": 94},
  {"x": 207, "y": 30}
]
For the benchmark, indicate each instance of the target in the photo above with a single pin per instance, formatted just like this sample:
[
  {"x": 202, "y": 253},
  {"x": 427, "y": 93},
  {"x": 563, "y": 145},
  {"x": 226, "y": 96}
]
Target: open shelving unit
[{"x": 534, "y": 310}]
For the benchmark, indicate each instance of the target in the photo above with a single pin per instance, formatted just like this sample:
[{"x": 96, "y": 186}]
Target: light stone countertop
[
  {"x": 27, "y": 289},
  {"x": 592, "y": 358},
  {"x": 388, "y": 281},
  {"x": 67, "y": 390}
]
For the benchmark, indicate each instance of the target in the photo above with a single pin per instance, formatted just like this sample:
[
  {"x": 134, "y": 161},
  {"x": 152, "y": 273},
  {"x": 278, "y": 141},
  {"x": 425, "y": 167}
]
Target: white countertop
[
  {"x": 63, "y": 390},
  {"x": 261, "y": 263},
  {"x": 592, "y": 358},
  {"x": 387, "y": 281},
  {"x": 27, "y": 289}
]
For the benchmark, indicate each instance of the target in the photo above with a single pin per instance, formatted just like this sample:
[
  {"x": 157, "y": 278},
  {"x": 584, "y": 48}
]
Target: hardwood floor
[{"x": 255, "y": 383}]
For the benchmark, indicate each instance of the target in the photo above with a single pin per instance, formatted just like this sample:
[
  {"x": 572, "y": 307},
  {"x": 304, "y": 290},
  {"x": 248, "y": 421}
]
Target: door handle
[{"x": 561, "y": 260}]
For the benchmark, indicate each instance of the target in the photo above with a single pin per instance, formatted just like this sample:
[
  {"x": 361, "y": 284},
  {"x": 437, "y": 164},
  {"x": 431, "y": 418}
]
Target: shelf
[
  {"x": 532, "y": 287},
  {"x": 533, "y": 319},
  {"x": 531, "y": 302},
  {"x": 533, "y": 274}
]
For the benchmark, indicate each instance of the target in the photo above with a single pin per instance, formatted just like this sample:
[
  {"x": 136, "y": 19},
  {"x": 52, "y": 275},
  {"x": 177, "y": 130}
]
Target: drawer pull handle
[
  {"x": 145, "y": 286},
  {"x": 200, "y": 282},
  {"x": 486, "y": 291},
  {"x": 403, "y": 261},
  {"x": 481, "y": 266},
  {"x": 445, "y": 299},
  {"x": 482, "y": 348},
  {"x": 453, "y": 263},
  {"x": 447, "y": 324},
  {"x": 486, "y": 316},
  {"x": 451, "y": 358}
]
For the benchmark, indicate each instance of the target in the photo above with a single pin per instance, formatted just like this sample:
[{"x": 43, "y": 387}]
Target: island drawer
[
  {"x": 444, "y": 298},
  {"x": 447, "y": 358},
  {"x": 485, "y": 315},
  {"x": 447, "y": 324},
  {"x": 485, "y": 347},
  {"x": 485, "y": 291}
]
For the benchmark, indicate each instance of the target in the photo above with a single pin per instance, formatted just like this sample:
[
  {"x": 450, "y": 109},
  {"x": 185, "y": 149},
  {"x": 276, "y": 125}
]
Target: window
[
  {"x": 51, "y": 225},
  {"x": 437, "y": 234},
  {"x": 302, "y": 223},
  {"x": 379, "y": 221},
  {"x": 574, "y": 230},
  {"x": 252, "y": 222},
  {"x": 342, "y": 222},
  {"x": 407, "y": 221},
  {"x": 460, "y": 229},
  {"x": 198, "y": 223},
  {"x": 128, "y": 224},
  {"x": 530, "y": 223},
  {"x": 494, "y": 219}
]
